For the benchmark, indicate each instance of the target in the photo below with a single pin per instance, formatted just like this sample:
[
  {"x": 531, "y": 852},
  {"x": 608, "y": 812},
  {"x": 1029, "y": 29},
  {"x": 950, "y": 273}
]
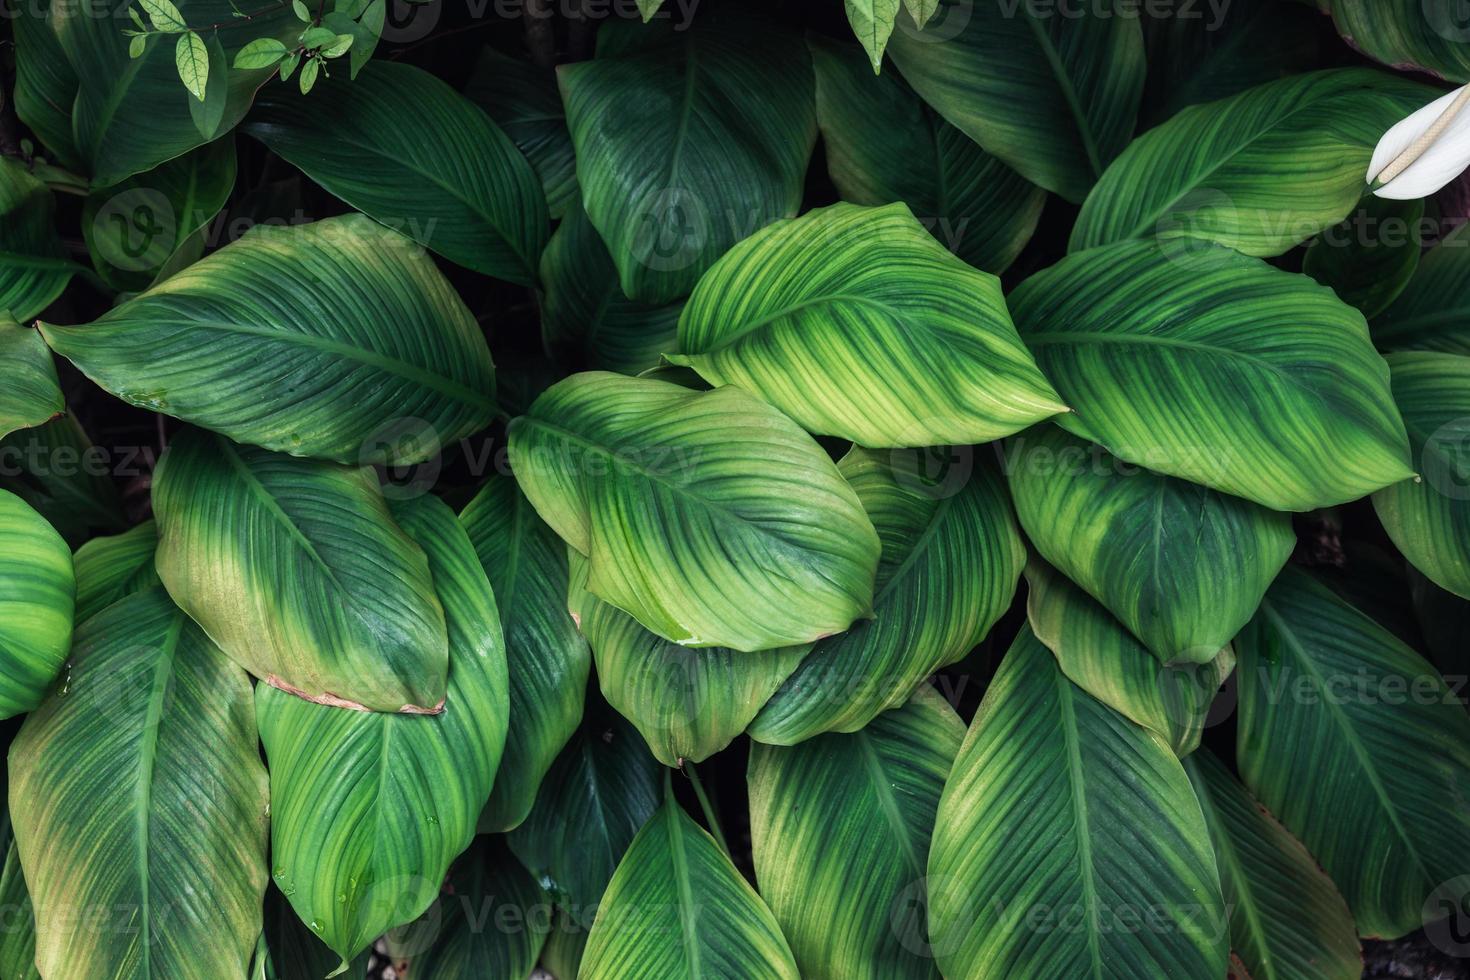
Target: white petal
[{"x": 1442, "y": 162}]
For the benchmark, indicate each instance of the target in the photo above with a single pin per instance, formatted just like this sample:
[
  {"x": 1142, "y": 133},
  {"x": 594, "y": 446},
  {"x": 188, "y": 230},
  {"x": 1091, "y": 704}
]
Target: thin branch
[{"x": 709, "y": 811}]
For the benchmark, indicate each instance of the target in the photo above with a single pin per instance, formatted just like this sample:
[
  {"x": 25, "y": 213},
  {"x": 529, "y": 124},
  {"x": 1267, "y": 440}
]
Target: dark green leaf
[
  {"x": 840, "y": 828},
  {"x": 951, "y": 558},
  {"x": 367, "y": 355},
  {"x": 1215, "y": 367},
  {"x": 548, "y": 659},
  {"x": 1182, "y": 566},
  {"x": 1052, "y": 96},
  {"x": 298, "y": 571},
  {"x": 475, "y": 199},
  {"x": 603, "y": 787},
  {"x": 1355, "y": 742},
  {"x": 1064, "y": 827},
  {"x": 524, "y": 101},
  {"x": 687, "y": 141},
  {"x": 137, "y": 789},
  {"x": 857, "y": 323},
  {"x": 709, "y": 516},
  {"x": 884, "y": 145}
]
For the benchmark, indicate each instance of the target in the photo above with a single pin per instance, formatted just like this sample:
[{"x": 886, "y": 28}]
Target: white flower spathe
[{"x": 1424, "y": 151}]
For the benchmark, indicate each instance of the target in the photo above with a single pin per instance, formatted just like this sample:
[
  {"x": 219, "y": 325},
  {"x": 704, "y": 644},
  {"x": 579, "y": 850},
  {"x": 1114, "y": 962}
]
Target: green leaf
[
  {"x": 18, "y": 927},
  {"x": 1433, "y": 311},
  {"x": 1054, "y": 97},
  {"x": 687, "y": 140},
  {"x": 951, "y": 558},
  {"x": 33, "y": 264},
  {"x": 137, "y": 787},
  {"x": 193, "y": 62},
  {"x": 164, "y": 16},
  {"x": 1287, "y": 921},
  {"x": 316, "y": 37},
  {"x": 1182, "y": 566},
  {"x": 602, "y": 789},
  {"x": 679, "y": 910},
  {"x": 1063, "y": 823},
  {"x": 289, "y": 63},
  {"x": 367, "y": 32},
  {"x": 209, "y": 114},
  {"x": 920, "y": 11},
  {"x": 524, "y": 102},
  {"x": 1427, "y": 35},
  {"x": 1359, "y": 747},
  {"x": 708, "y": 516},
  {"x": 368, "y": 356},
  {"x": 131, "y": 115},
  {"x": 586, "y": 321},
  {"x": 1214, "y": 367},
  {"x": 840, "y": 828},
  {"x": 648, "y": 8},
  {"x": 548, "y": 658},
  {"x": 338, "y": 47},
  {"x": 1429, "y": 518},
  {"x": 298, "y": 571},
  {"x": 30, "y": 395},
  {"x": 567, "y": 941},
  {"x": 137, "y": 45},
  {"x": 114, "y": 567},
  {"x": 295, "y": 951},
  {"x": 37, "y": 592},
  {"x": 370, "y": 808},
  {"x": 309, "y": 74},
  {"x": 884, "y": 145},
  {"x": 263, "y": 52},
  {"x": 1224, "y": 51},
  {"x": 1261, "y": 171},
  {"x": 45, "y": 84},
  {"x": 57, "y": 470},
  {"x": 475, "y": 199},
  {"x": 857, "y": 324},
  {"x": 135, "y": 229},
  {"x": 302, "y": 13},
  {"x": 872, "y": 22},
  {"x": 687, "y": 704},
  {"x": 490, "y": 921},
  {"x": 1105, "y": 660},
  {"x": 1369, "y": 258}
]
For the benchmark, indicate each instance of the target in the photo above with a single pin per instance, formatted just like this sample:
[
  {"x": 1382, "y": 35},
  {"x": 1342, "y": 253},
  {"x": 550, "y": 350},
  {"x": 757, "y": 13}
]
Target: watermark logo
[
  {"x": 1447, "y": 916},
  {"x": 1445, "y": 462},
  {"x": 135, "y": 231},
  {"x": 671, "y": 231},
  {"x": 413, "y": 441},
  {"x": 1450, "y": 19}
]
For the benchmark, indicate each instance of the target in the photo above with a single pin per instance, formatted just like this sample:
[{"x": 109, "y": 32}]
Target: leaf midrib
[
  {"x": 834, "y": 299},
  {"x": 1069, "y": 93},
  {"x": 627, "y": 464},
  {"x": 1220, "y": 162},
  {"x": 268, "y": 500},
  {"x": 1227, "y": 854},
  {"x": 1350, "y": 735},
  {"x": 1047, "y": 338},
  {"x": 143, "y": 791},
  {"x": 382, "y": 362},
  {"x": 1077, "y": 780},
  {"x": 688, "y": 914},
  {"x": 418, "y": 171},
  {"x": 887, "y": 803}
]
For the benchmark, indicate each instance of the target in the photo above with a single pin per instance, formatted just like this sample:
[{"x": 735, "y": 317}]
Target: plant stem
[{"x": 709, "y": 811}]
